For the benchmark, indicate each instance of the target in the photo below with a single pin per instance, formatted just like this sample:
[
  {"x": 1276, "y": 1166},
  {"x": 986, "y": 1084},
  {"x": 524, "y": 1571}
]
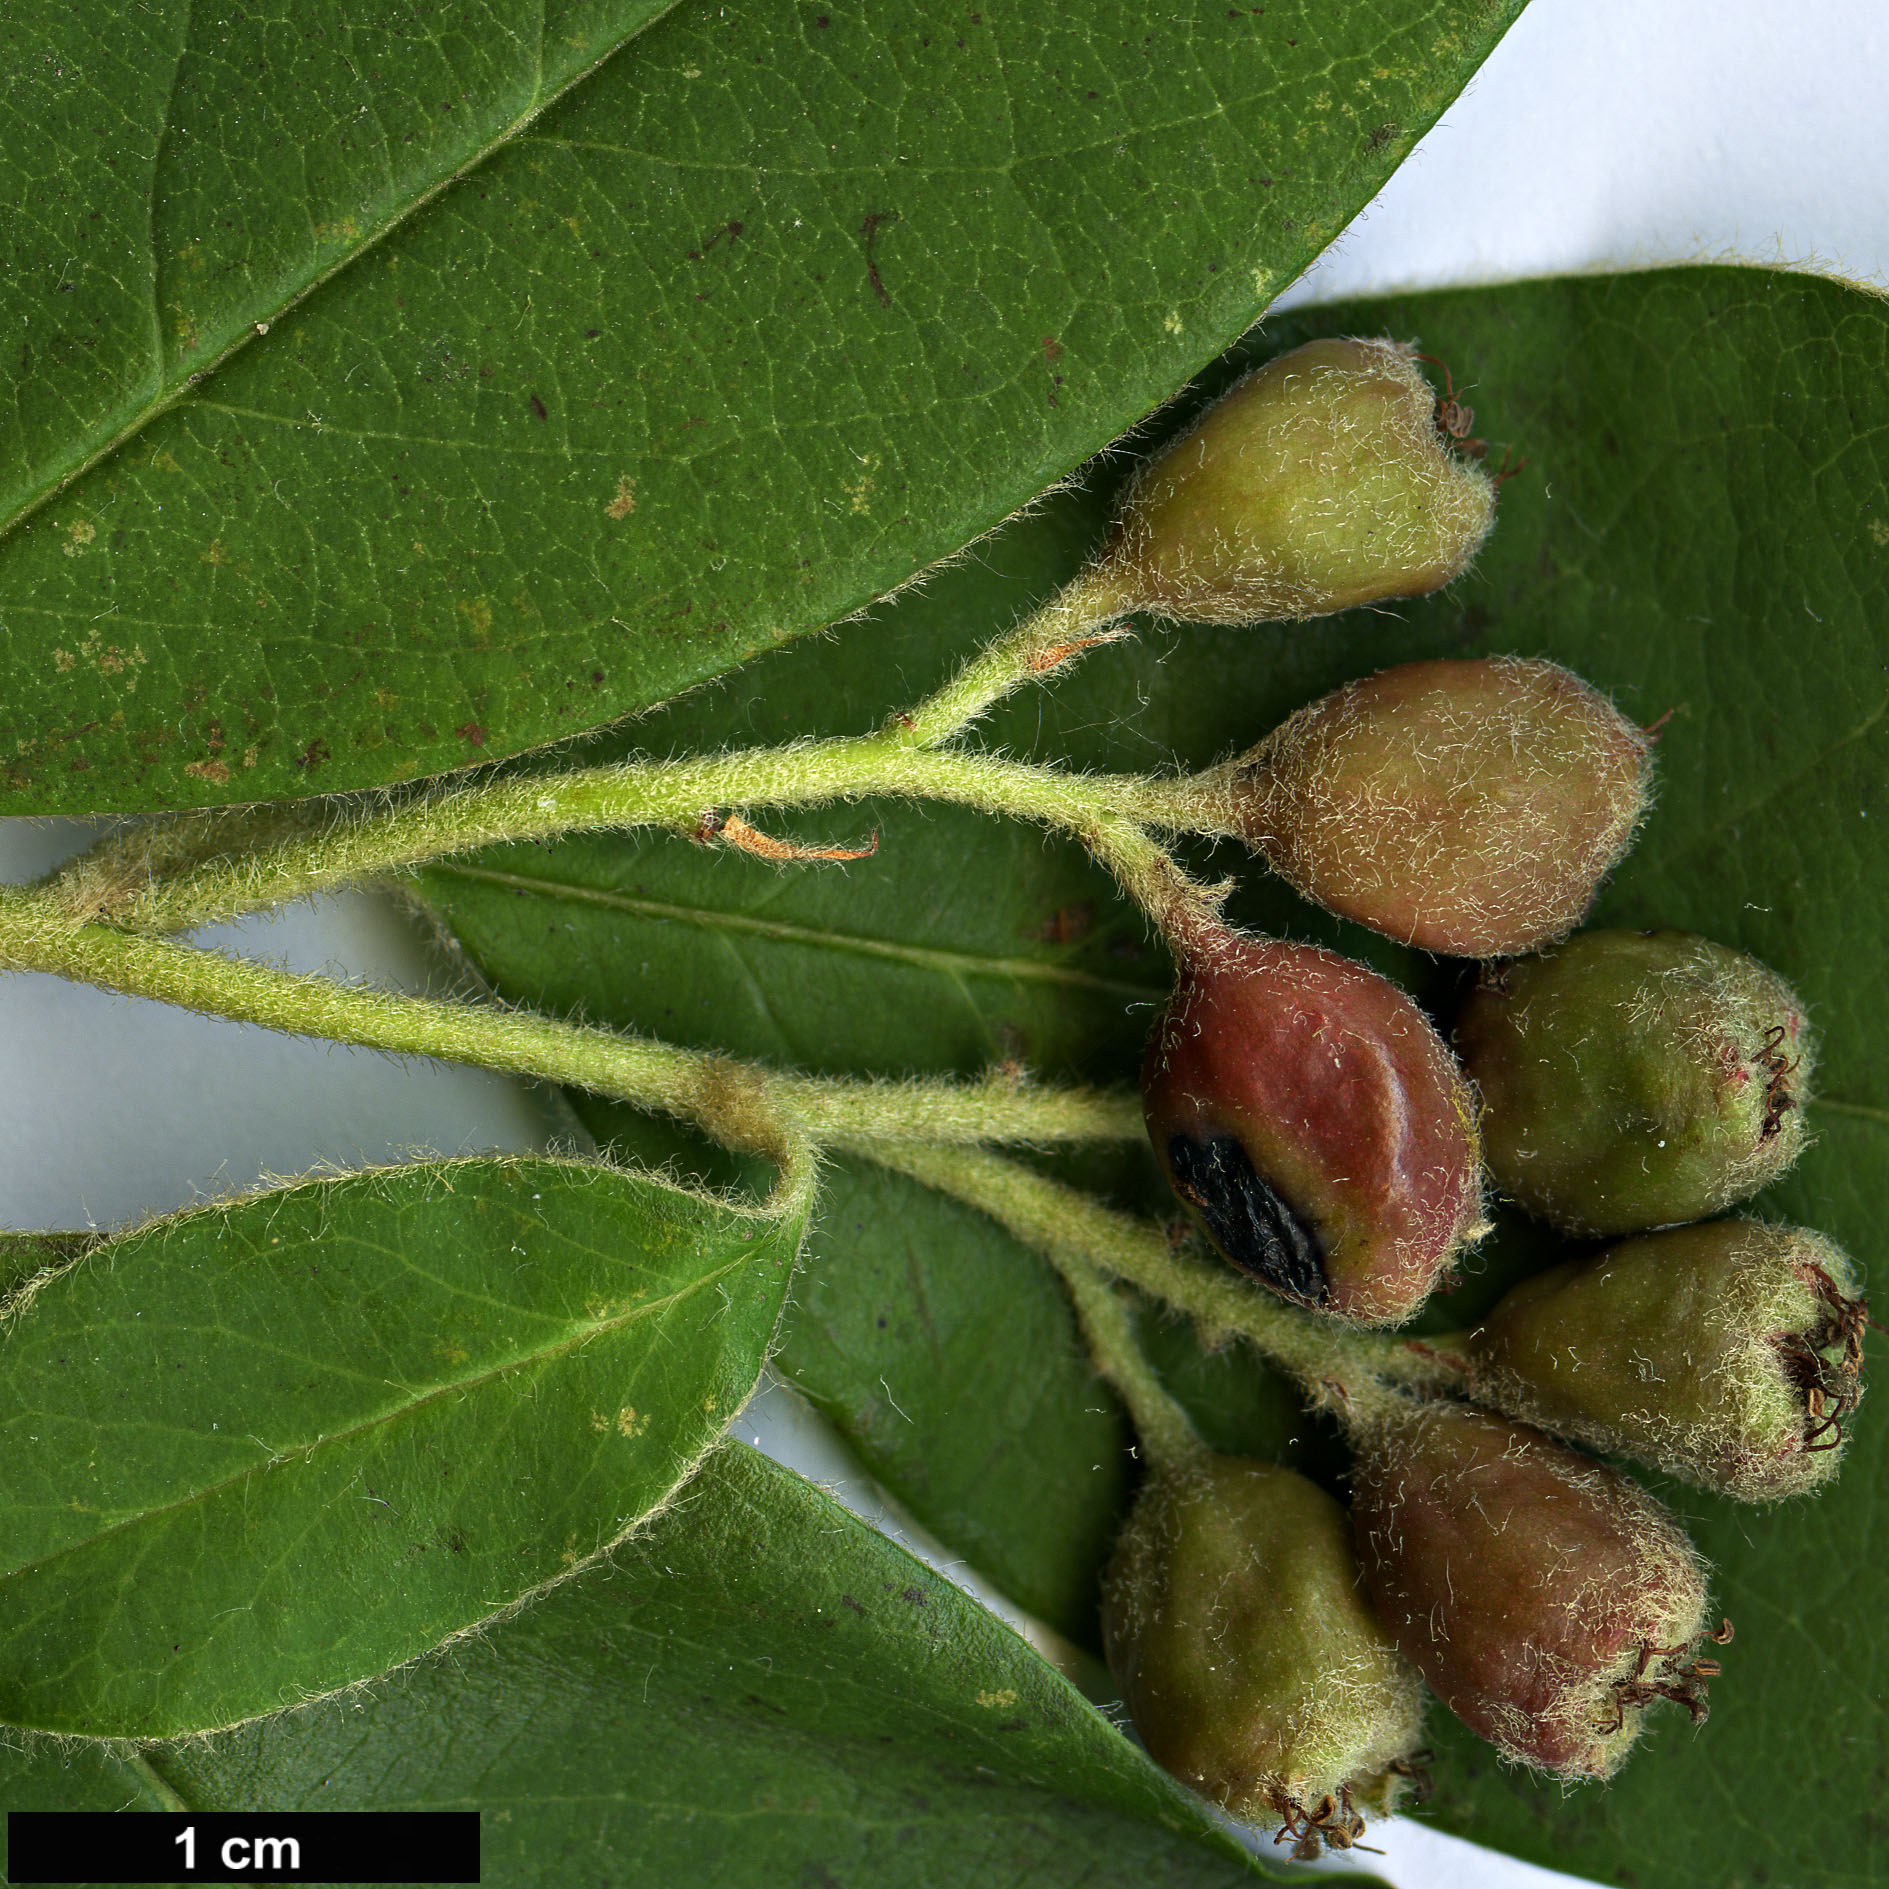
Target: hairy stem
[
  {"x": 777, "y": 1115},
  {"x": 1072, "y": 621},
  {"x": 193, "y": 869},
  {"x": 185, "y": 870},
  {"x": 1348, "y": 1372},
  {"x": 1108, "y": 1329},
  {"x": 155, "y": 1784}
]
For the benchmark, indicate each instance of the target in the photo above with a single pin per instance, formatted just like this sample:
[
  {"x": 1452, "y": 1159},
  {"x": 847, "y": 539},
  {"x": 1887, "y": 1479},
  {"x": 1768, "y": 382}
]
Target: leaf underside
[
  {"x": 392, "y": 393},
  {"x": 1701, "y": 529}
]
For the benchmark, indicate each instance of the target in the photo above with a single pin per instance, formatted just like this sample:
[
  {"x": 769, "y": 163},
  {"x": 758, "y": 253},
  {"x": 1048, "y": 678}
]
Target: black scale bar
[{"x": 334, "y": 1846}]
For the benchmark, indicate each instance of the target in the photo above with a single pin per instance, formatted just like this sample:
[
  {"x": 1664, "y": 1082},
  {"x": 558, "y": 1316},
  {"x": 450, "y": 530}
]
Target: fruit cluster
[{"x": 1332, "y": 1148}]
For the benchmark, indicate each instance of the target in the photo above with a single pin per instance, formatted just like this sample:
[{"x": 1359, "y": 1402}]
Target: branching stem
[
  {"x": 775, "y": 1114},
  {"x": 1166, "y": 1431},
  {"x": 1350, "y": 1373},
  {"x": 181, "y": 871}
]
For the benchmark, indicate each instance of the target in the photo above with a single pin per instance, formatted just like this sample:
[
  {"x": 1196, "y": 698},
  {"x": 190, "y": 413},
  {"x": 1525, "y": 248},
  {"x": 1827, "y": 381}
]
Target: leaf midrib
[
  {"x": 781, "y": 931},
  {"x": 395, "y": 1414},
  {"x": 265, "y": 314}
]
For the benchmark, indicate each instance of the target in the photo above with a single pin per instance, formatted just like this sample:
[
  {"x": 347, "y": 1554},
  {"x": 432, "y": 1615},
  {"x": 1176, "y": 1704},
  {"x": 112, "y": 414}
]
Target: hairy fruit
[
  {"x": 1636, "y": 1079},
  {"x": 1317, "y": 482},
  {"x": 1729, "y": 1354},
  {"x": 1469, "y": 807},
  {"x": 1547, "y": 1599},
  {"x": 1250, "y": 1662},
  {"x": 1316, "y": 1126}
]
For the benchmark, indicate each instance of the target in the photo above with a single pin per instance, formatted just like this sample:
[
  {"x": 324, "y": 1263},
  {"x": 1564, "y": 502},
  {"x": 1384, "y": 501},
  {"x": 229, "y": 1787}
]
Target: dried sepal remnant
[
  {"x": 1253, "y": 1668},
  {"x": 1729, "y": 1354},
  {"x": 1633, "y": 1080},
  {"x": 1467, "y": 807},
  {"x": 1315, "y": 1125},
  {"x": 1547, "y": 1599},
  {"x": 1317, "y": 482}
]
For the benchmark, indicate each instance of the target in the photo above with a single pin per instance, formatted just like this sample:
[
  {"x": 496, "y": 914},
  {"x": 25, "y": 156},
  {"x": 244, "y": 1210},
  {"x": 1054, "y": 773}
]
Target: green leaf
[
  {"x": 80, "y": 1777},
  {"x": 1701, "y": 528},
  {"x": 760, "y": 1691},
  {"x": 912, "y": 1315},
  {"x": 257, "y": 1452},
  {"x": 548, "y": 312},
  {"x": 23, "y": 1255}
]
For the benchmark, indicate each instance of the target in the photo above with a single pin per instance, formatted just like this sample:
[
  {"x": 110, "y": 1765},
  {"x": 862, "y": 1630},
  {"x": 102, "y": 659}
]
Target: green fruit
[
  {"x": 1636, "y": 1079},
  {"x": 1729, "y": 1354},
  {"x": 1547, "y": 1599},
  {"x": 1253, "y": 1668},
  {"x": 1318, "y": 482},
  {"x": 1468, "y": 807}
]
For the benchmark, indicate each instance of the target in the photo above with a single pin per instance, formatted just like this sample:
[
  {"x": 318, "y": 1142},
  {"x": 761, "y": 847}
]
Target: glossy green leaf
[
  {"x": 761, "y": 1691},
  {"x": 416, "y": 383},
  {"x": 1701, "y": 528},
  {"x": 257, "y": 1452}
]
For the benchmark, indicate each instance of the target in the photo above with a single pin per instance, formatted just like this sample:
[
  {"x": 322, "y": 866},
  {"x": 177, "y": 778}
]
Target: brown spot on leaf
[
  {"x": 624, "y": 503},
  {"x": 472, "y": 732},
  {"x": 1068, "y": 924},
  {"x": 875, "y": 221}
]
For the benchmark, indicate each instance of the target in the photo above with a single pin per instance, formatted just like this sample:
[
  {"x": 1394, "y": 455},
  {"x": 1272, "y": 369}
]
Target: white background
[{"x": 1602, "y": 134}]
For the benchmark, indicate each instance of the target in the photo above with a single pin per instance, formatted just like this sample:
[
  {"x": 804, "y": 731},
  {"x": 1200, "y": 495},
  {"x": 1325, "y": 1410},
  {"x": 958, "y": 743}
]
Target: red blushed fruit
[
  {"x": 1316, "y": 1125},
  {"x": 1546, "y": 1598}
]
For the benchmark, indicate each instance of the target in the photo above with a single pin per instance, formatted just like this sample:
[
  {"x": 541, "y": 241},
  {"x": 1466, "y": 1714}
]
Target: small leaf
[
  {"x": 257, "y": 1452},
  {"x": 392, "y": 392},
  {"x": 760, "y": 1691}
]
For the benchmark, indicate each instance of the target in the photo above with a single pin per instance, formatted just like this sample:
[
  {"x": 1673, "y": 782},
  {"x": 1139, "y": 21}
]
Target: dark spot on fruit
[{"x": 1246, "y": 1219}]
